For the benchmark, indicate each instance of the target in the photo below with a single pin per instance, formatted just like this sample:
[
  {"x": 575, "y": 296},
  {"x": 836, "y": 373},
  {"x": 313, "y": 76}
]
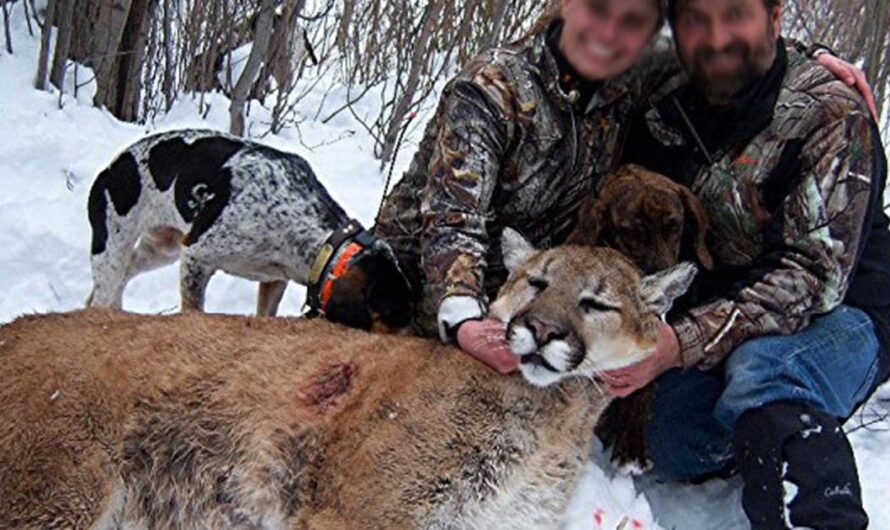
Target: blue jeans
[{"x": 831, "y": 365}]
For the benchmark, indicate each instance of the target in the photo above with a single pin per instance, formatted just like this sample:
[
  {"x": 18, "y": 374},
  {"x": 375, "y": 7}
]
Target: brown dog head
[
  {"x": 647, "y": 217},
  {"x": 373, "y": 294}
]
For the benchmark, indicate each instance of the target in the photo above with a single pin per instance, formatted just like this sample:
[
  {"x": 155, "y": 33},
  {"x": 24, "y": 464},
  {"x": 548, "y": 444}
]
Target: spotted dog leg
[
  {"x": 110, "y": 272},
  {"x": 269, "y": 297},
  {"x": 122, "y": 261},
  {"x": 194, "y": 277},
  {"x": 108, "y": 283}
]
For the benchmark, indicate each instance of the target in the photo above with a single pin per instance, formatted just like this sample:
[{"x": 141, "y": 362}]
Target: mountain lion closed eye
[{"x": 113, "y": 420}]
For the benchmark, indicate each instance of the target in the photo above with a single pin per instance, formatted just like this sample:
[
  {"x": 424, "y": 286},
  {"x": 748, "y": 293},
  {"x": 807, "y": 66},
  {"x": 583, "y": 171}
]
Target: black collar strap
[{"x": 327, "y": 256}]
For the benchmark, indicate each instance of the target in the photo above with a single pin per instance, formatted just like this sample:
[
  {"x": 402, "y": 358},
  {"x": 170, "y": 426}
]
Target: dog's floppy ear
[
  {"x": 696, "y": 216},
  {"x": 588, "y": 226}
]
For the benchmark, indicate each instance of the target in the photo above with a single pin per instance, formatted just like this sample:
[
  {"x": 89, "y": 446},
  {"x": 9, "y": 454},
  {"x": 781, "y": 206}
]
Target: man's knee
[{"x": 830, "y": 366}]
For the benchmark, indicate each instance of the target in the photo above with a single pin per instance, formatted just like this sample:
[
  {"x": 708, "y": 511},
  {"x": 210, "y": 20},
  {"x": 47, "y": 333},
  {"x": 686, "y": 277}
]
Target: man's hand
[
  {"x": 486, "y": 340},
  {"x": 625, "y": 381},
  {"x": 853, "y": 76}
]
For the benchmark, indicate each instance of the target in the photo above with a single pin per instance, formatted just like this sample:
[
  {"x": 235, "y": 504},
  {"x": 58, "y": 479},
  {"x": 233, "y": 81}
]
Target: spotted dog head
[
  {"x": 577, "y": 311},
  {"x": 373, "y": 294},
  {"x": 647, "y": 217}
]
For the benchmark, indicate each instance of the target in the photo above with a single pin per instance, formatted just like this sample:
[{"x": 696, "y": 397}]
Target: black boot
[{"x": 798, "y": 469}]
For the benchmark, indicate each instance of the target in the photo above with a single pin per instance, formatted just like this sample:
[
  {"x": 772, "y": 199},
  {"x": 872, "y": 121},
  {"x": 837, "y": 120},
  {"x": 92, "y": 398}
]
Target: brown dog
[
  {"x": 648, "y": 218},
  {"x": 656, "y": 223}
]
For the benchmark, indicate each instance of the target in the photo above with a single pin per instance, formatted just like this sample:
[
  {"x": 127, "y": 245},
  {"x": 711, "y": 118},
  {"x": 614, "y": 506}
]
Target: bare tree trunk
[
  {"x": 130, "y": 60},
  {"x": 345, "y": 21},
  {"x": 242, "y": 88},
  {"x": 45, "y": 37},
  {"x": 287, "y": 50},
  {"x": 106, "y": 43},
  {"x": 875, "y": 67},
  {"x": 420, "y": 56},
  {"x": 6, "y": 26},
  {"x": 28, "y": 17},
  {"x": 169, "y": 77},
  {"x": 64, "y": 17}
]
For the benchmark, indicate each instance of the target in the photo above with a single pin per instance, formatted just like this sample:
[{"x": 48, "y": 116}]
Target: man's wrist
[
  {"x": 690, "y": 341},
  {"x": 671, "y": 349}
]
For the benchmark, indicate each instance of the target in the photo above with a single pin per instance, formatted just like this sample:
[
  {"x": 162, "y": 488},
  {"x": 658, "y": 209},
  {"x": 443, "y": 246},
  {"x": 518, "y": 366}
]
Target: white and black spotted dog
[{"x": 223, "y": 203}]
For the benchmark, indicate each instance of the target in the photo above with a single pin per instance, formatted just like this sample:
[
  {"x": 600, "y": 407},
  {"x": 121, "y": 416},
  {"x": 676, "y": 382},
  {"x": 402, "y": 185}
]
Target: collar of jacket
[
  {"x": 754, "y": 108},
  {"x": 547, "y": 66}
]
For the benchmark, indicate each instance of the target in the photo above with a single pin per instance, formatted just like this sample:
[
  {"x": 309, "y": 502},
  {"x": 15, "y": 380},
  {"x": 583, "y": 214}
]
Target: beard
[{"x": 719, "y": 88}]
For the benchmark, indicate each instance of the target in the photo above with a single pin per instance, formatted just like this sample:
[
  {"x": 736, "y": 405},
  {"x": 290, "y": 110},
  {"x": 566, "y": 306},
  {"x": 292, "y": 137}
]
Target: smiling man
[{"x": 790, "y": 332}]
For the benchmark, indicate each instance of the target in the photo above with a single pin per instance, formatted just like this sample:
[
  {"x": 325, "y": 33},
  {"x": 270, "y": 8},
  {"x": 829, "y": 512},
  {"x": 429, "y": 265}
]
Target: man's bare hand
[
  {"x": 625, "y": 381},
  {"x": 486, "y": 340}
]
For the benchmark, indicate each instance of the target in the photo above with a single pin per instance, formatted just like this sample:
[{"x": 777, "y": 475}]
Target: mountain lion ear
[
  {"x": 659, "y": 290},
  {"x": 515, "y": 248}
]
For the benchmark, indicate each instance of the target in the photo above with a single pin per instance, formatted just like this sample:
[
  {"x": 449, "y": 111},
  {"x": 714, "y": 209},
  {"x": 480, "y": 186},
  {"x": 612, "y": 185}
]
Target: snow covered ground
[{"x": 50, "y": 155}]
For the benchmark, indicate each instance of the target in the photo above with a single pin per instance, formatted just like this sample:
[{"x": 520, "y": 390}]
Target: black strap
[{"x": 352, "y": 231}]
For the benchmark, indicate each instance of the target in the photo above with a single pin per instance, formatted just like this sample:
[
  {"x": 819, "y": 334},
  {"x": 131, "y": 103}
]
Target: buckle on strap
[{"x": 321, "y": 261}]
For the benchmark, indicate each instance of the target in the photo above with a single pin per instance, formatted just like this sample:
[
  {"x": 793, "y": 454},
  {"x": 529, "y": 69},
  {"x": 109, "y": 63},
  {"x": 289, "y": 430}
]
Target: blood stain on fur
[{"x": 327, "y": 386}]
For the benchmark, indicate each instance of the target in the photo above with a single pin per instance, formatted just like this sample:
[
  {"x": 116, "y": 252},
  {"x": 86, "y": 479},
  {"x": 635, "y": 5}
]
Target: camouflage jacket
[
  {"x": 788, "y": 204},
  {"x": 507, "y": 146}
]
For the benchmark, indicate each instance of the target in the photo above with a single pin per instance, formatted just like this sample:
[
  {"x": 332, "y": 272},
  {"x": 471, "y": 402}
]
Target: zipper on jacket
[
  {"x": 576, "y": 141},
  {"x": 573, "y": 98}
]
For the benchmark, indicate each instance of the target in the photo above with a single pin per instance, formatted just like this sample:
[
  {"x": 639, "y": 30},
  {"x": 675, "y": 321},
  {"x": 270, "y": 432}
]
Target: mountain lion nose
[{"x": 544, "y": 332}]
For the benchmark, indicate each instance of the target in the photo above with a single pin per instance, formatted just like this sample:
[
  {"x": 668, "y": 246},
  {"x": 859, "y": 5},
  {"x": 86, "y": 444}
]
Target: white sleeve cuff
[{"x": 456, "y": 309}]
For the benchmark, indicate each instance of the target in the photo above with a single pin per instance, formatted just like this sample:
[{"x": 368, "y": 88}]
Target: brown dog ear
[
  {"x": 588, "y": 225},
  {"x": 696, "y": 214}
]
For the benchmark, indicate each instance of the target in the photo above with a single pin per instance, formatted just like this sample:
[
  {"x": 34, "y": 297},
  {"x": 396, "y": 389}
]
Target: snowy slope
[{"x": 50, "y": 155}]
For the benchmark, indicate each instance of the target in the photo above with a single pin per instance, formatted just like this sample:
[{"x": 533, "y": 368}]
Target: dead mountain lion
[{"x": 113, "y": 420}]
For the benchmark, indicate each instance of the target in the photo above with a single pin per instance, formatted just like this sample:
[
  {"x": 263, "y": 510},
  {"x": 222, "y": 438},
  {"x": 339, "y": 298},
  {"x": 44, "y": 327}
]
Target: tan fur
[
  {"x": 570, "y": 273},
  {"x": 113, "y": 420},
  {"x": 647, "y": 217}
]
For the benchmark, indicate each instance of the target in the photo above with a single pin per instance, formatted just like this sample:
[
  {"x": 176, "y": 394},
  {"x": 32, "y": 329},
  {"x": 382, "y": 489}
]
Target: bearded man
[{"x": 789, "y": 333}]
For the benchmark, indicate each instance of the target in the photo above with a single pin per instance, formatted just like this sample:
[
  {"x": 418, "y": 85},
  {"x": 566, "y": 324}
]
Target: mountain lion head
[{"x": 578, "y": 311}]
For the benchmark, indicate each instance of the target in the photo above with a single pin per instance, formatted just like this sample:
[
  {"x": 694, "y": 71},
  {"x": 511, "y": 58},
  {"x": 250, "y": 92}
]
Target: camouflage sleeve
[
  {"x": 456, "y": 203},
  {"x": 806, "y": 270}
]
